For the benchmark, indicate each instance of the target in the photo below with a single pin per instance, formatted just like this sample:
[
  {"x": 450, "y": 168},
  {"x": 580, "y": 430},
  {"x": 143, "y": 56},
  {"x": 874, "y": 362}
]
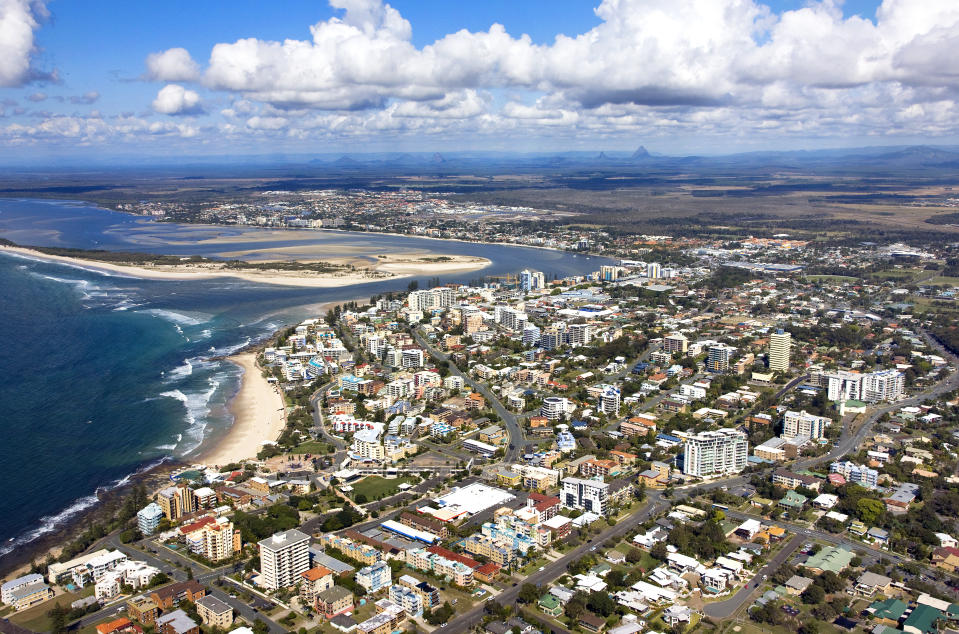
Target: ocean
[{"x": 102, "y": 375}]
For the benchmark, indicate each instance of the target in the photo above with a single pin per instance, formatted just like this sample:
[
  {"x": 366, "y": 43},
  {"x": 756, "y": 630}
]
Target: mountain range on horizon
[{"x": 909, "y": 157}]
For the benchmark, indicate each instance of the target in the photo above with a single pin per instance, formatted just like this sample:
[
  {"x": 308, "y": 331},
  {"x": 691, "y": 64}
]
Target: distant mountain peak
[
  {"x": 640, "y": 153},
  {"x": 438, "y": 158},
  {"x": 602, "y": 156}
]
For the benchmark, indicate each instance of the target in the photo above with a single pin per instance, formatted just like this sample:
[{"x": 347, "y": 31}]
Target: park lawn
[
  {"x": 314, "y": 447},
  {"x": 375, "y": 487},
  {"x": 36, "y": 618},
  {"x": 647, "y": 563},
  {"x": 896, "y": 274},
  {"x": 944, "y": 281},
  {"x": 839, "y": 279}
]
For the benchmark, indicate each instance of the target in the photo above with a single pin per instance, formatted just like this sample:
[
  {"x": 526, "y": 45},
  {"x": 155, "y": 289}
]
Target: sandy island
[
  {"x": 384, "y": 267},
  {"x": 259, "y": 416}
]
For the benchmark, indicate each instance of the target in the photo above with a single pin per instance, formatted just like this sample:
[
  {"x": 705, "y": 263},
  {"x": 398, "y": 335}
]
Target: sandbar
[{"x": 390, "y": 267}]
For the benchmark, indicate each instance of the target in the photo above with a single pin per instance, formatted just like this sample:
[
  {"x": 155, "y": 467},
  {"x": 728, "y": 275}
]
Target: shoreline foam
[{"x": 259, "y": 416}]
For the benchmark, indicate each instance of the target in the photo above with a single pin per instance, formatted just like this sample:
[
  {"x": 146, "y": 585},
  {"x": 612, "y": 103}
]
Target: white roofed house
[
  {"x": 648, "y": 593},
  {"x": 825, "y": 501},
  {"x": 947, "y": 540},
  {"x": 667, "y": 578},
  {"x": 733, "y": 566},
  {"x": 715, "y": 580},
  {"x": 677, "y": 614},
  {"x": 749, "y": 529},
  {"x": 683, "y": 563}
]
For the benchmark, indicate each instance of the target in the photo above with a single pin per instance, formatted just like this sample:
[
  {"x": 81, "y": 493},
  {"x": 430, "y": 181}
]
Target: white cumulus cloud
[
  {"x": 174, "y": 64},
  {"x": 174, "y": 99},
  {"x": 18, "y": 25}
]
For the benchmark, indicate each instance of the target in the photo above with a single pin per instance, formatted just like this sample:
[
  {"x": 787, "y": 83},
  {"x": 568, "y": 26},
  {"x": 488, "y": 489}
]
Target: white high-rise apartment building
[
  {"x": 439, "y": 297},
  {"x": 712, "y": 453},
  {"x": 532, "y": 280},
  {"x": 283, "y": 557},
  {"x": 653, "y": 271},
  {"x": 579, "y": 334},
  {"x": 510, "y": 318},
  {"x": 780, "y": 344},
  {"x": 554, "y": 407},
  {"x": 804, "y": 424},
  {"x": 719, "y": 357},
  {"x": 589, "y": 495},
  {"x": 884, "y": 385},
  {"x": 609, "y": 400},
  {"x": 675, "y": 342}
]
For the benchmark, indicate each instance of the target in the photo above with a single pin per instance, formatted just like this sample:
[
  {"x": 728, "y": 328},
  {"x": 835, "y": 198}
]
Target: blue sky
[{"x": 676, "y": 75}]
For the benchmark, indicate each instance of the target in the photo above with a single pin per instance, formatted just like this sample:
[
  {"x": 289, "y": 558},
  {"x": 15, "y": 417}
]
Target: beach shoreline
[
  {"x": 387, "y": 268},
  {"x": 259, "y": 416}
]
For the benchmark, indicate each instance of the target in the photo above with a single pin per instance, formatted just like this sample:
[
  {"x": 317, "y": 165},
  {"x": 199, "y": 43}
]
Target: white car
[{"x": 542, "y": 568}]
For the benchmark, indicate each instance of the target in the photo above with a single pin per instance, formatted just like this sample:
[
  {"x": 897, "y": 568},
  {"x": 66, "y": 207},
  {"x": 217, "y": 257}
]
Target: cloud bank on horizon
[{"x": 734, "y": 71}]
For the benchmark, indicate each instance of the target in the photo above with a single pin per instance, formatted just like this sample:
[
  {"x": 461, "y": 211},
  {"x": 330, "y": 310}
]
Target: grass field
[
  {"x": 314, "y": 447},
  {"x": 36, "y": 618},
  {"x": 837, "y": 279},
  {"x": 375, "y": 487},
  {"x": 896, "y": 274},
  {"x": 926, "y": 304},
  {"x": 944, "y": 281}
]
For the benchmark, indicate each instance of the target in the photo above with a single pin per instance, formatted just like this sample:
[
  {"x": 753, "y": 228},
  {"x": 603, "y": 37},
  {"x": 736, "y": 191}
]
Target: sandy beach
[
  {"x": 259, "y": 416},
  {"x": 384, "y": 268}
]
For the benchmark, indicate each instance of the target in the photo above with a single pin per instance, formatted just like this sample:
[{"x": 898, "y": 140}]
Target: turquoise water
[{"x": 102, "y": 375}]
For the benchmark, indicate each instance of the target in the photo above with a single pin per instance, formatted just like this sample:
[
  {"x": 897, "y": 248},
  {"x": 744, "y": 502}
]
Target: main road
[{"x": 517, "y": 436}]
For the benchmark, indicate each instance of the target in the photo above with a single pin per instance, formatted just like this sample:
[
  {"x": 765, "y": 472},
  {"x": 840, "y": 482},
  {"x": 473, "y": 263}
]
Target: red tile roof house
[{"x": 487, "y": 572}]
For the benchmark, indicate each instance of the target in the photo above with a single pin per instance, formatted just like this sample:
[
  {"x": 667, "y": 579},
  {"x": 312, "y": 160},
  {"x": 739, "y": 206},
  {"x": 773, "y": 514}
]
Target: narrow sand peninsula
[
  {"x": 375, "y": 272},
  {"x": 259, "y": 416}
]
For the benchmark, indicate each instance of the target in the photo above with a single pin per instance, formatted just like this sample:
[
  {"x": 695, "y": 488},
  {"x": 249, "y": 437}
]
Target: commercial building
[
  {"x": 589, "y": 495},
  {"x": 712, "y": 453},
  {"x": 780, "y": 345},
  {"x": 283, "y": 557}
]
